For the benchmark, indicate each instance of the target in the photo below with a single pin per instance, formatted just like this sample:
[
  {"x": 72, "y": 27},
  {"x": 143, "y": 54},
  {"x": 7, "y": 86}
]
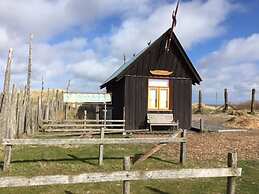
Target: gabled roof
[{"x": 122, "y": 69}]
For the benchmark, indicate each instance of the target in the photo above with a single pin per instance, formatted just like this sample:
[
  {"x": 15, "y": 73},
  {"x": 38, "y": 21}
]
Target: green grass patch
[{"x": 34, "y": 160}]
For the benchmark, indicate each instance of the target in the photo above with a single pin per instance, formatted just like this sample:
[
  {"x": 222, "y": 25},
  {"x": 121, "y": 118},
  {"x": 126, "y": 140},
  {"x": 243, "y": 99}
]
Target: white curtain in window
[
  {"x": 158, "y": 82},
  {"x": 163, "y": 99},
  {"x": 152, "y": 99}
]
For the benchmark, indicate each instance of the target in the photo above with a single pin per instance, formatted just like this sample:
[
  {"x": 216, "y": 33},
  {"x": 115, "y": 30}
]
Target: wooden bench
[{"x": 161, "y": 119}]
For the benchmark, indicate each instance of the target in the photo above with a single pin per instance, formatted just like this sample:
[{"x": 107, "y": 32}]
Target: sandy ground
[
  {"x": 212, "y": 122},
  {"x": 215, "y": 146}
]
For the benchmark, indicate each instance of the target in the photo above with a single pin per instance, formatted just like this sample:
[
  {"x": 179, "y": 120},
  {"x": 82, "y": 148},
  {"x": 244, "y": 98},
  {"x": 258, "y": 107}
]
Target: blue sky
[{"x": 85, "y": 41}]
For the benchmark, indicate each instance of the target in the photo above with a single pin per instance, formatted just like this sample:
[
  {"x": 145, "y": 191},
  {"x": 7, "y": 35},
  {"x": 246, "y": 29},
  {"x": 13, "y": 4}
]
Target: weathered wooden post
[
  {"x": 39, "y": 113},
  {"x": 253, "y": 102},
  {"x": 105, "y": 115},
  {"x": 13, "y": 114},
  {"x": 51, "y": 109},
  {"x": 7, "y": 78},
  {"x": 200, "y": 102},
  {"x": 41, "y": 92},
  {"x": 66, "y": 109},
  {"x": 29, "y": 70},
  {"x": 231, "y": 181},
  {"x": 101, "y": 148},
  {"x": 126, "y": 166},
  {"x": 61, "y": 99},
  {"x": 29, "y": 114},
  {"x": 1, "y": 101},
  {"x": 9, "y": 133},
  {"x": 56, "y": 103},
  {"x": 17, "y": 114},
  {"x": 47, "y": 111},
  {"x": 85, "y": 117},
  {"x": 97, "y": 115},
  {"x": 7, "y": 157},
  {"x": 48, "y": 95},
  {"x": 23, "y": 117},
  {"x": 225, "y": 100},
  {"x": 5, "y": 98},
  {"x": 183, "y": 148},
  {"x": 201, "y": 125}
]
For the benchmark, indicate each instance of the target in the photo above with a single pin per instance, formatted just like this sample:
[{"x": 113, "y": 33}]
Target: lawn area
[{"x": 33, "y": 160}]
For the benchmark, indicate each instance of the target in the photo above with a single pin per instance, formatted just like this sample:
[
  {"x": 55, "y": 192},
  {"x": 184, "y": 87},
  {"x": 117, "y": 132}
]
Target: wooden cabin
[{"x": 155, "y": 80}]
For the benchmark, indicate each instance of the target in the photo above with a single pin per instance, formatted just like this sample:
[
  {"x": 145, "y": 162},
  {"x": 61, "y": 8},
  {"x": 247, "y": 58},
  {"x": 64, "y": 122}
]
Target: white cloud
[
  {"x": 234, "y": 66},
  {"x": 197, "y": 22},
  {"x": 93, "y": 67},
  {"x": 88, "y": 62},
  {"x": 48, "y": 18}
]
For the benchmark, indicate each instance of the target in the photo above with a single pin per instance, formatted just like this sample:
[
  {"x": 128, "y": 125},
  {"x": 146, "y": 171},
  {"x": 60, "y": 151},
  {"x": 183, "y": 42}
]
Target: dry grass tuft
[{"x": 241, "y": 119}]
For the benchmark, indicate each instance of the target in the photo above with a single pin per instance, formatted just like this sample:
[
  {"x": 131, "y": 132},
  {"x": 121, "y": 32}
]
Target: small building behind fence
[
  {"x": 92, "y": 104},
  {"x": 157, "y": 80}
]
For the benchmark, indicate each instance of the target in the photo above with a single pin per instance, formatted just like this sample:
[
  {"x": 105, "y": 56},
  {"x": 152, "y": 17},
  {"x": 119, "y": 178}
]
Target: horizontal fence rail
[
  {"x": 119, "y": 176},
  {"x": 84, "y": 130},
  {"x": 10, "y": 143},
  {"x": 110, "y": 126},
  {"x": 82, "y": 125},
  {"x": 92, "y": 141},
  {"x": 82, "y": 121}
]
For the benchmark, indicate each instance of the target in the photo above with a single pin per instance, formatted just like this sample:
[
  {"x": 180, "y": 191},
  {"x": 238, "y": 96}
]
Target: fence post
[
  {"x": 231, "y": 181},
  {"x": 201, "y": 125},
  {"x": 183, "y": 148},
  {"x": 7, "y": 80},
  {"x": 97, "y": 116},
  {"x": 11, "y": 123},
  {"x": 65, "y": 111},
  {"x": 200, "y": 102},
  {"x": 39, "y": 113},
  {"x": 46, "y": 116},
  {"x": 85, "y": 117},
  {"x": 225, "y": 100},
  {"x": 126, "y": 166},
  {"x": 105, "y": 114},
  {"x": 101, "y": 148},
  {"x": 253, "y": 102},
  {"x": 7, "y": 157}
]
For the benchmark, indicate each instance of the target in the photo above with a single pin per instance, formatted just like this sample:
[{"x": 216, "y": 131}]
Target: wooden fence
[
  {"x": 9, "y": 143},
  {"x": 225, "y": 107},
  {"x": 127, "y": 175},
  {"x": 25, "y": 114},
  {"x": 79, "y": 126}
]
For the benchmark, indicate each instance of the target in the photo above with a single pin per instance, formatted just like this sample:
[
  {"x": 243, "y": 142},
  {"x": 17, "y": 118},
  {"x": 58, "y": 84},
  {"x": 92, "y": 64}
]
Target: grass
[{"x": 32, "y": 161}]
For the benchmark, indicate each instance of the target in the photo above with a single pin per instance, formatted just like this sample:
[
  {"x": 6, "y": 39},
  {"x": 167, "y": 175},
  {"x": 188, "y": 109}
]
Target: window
[{"x": 158, "y": 94}]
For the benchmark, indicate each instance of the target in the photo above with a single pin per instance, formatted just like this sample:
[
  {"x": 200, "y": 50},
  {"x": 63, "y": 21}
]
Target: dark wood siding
[
  {"x": 117, "y": 89},
  {"x": 182, "y": 101},
  {"x": 156, "y": 57},
  {"x": 136, "y": 99},
  {"x": 136, "y": 102}
]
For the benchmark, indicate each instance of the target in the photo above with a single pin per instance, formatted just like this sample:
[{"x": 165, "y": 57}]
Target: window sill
[{"x": 159, "y": 110}]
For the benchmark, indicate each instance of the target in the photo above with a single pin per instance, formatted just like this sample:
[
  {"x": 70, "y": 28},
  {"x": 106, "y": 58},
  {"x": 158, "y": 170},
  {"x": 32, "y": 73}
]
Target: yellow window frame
[{"x": 158, "y": 89}]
